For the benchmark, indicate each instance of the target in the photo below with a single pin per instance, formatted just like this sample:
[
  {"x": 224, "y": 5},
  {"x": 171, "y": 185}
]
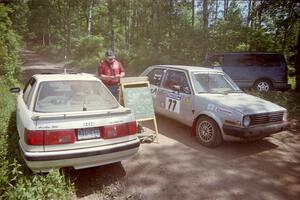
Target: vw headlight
[
  {"x": 285, "y": 116},
  {"x": 246, "y": 121}
]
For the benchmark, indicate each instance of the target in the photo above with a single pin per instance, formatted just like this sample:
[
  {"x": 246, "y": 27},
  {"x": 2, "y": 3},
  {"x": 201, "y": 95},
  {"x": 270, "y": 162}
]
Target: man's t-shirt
[{"x": 110, "y": 69}]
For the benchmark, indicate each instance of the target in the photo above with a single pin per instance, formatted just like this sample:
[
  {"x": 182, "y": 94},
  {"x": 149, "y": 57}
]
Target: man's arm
[
  {"x": 106, "y": 77},
  {"x": 122, "y": 74}
]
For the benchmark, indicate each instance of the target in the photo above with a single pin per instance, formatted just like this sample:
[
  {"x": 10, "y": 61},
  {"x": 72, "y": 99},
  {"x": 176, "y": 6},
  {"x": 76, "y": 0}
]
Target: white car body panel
[
  {"x": 95, "y": 151},
  {"x": 225, "y": 108}
]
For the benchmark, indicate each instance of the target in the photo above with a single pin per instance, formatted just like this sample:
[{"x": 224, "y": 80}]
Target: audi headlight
[{"x": 246, "y": 121}]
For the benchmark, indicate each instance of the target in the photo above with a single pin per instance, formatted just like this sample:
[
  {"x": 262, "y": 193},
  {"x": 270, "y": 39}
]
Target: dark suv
[{"x": 261, "y": 70}]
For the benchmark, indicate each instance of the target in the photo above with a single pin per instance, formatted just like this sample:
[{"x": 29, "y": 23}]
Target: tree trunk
[
  {"x": 49, "y": 32},
  {"x": 205, "y": 26},
  {"x": 193, "y": 13},
  {"x": 287, "y": 27},
  {"x": 126, "y": 24},
  {"x": 78, "y": 22},
  {"x": 216, "y": 11},
  {"x": 110, "y": 24},
  {"x": 155, "y": 34},
  {"x": 68, "y": 29},
  {"x": 253, "y": 16},
  {"x": 90, "y": 17},
  {"x": 170, "y": 30},
  {"x": 249, "y": 13},
  {"x": 44, "y": 42},
  {"x": 226, "y": 2},
  {"x": 298, "y": 64}
]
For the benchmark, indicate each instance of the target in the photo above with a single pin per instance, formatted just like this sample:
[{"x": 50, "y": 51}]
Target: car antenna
[
  {"x": 84, "y": 105},
  {"x": 65, "y": 70}
]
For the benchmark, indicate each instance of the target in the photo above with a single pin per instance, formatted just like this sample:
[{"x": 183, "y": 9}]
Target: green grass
[
  {"x": 16, "y": 180},
  {"x": 292, "y": 81}
]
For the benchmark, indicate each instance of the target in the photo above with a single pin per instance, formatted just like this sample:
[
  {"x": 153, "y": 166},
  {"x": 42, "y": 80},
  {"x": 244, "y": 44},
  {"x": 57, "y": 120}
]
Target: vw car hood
[{"x": 242, "y": 102}]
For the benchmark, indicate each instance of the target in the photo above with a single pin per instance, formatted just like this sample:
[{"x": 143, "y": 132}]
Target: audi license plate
[{"x": 88, "y": 133}]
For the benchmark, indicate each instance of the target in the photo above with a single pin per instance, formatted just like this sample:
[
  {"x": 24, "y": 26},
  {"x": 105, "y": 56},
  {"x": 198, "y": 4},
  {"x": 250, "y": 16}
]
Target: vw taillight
[
  {"x": 53, "y": 137},
  {"x": 119, "y": 130}
]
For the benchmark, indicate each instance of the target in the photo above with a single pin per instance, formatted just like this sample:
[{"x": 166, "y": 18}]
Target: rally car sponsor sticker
[
  {"x": 210, "y": 107},
  {"x": 186, "y": 100},
  {"x": 223, "y": 111}
]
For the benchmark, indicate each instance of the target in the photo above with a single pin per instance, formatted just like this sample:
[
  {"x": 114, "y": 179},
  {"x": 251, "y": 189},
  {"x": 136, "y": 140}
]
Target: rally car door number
[{"x": 172, "y": 105}]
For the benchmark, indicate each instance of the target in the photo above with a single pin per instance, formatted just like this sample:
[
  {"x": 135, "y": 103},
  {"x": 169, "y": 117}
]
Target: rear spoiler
[{"x": 79, "y": 115}]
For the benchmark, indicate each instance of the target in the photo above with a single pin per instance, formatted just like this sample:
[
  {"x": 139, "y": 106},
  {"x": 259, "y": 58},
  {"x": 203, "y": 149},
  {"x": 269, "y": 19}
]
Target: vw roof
[{"x": 186, "y": 68}]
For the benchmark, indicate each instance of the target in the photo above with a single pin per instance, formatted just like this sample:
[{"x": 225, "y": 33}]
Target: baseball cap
[{"x": 109, "y": 54}]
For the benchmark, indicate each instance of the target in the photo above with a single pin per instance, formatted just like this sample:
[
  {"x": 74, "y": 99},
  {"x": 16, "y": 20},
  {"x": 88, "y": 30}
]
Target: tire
[
  {"x": 208, "y": 132},
  {"x": 263, "y": 85}
]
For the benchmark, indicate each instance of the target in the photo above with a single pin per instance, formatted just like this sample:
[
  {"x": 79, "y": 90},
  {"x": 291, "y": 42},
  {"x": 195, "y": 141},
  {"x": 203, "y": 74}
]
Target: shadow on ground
[
  {"x": 93, "y": 180},
  {"x": 228, "y": 150},
  {"x": 261, "y": 170}
]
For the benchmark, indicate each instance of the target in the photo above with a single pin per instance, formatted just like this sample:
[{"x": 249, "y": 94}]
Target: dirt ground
[{"x": 179, "y": 168}]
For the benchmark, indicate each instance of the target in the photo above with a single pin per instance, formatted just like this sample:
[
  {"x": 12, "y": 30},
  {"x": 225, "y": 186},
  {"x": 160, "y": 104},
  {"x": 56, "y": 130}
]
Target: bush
[
  {"x": 50, "y": 186},
  {"x": 9, "y": 44}
]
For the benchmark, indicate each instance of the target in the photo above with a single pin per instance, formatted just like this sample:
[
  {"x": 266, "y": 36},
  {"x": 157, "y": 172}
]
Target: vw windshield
[{"x": 213, "y": 83}]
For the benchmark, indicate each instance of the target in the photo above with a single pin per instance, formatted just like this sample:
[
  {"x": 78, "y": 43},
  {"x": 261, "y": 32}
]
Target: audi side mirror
[{"x": 15, "y": 90}]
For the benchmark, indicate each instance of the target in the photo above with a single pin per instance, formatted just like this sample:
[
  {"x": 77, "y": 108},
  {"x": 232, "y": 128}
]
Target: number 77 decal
[{"x": 172, "y": 105}]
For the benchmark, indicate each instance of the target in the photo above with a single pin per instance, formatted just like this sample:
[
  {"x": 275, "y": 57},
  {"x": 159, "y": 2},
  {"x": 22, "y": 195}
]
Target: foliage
[
  {"x": 16, "y": 181},
  {"x": 19, "y": 16},
  {"x": 50, "y": 186},
  {"x": 230, "y": 29},
  {"x": 157, "y": 32},
  {"x": 88, "y": 51},
  {"x": 9, "y": 44}
]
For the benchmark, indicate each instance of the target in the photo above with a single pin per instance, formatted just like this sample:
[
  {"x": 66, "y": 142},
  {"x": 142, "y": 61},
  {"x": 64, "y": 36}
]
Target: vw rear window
[{"x": 72, "y": 96}]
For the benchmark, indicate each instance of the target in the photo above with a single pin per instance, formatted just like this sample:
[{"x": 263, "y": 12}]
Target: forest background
[{"x": 149, "y": 32}]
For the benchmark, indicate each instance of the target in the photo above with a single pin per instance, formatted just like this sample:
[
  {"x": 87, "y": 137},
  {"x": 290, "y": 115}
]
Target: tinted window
[
  {"x": 155, "y": 76},
  {"x": 216, "y": 60},
  {"x": 67, "y": 96},
  {"x": 241, "y": 60},
  {"x": 177, "y": 81},
  {"x": 268, "y": 60}
]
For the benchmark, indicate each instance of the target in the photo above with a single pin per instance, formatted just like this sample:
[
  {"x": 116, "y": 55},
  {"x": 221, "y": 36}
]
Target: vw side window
[
  {"x": 177, "y": 81},
  {"x": 155, "y": 76}
]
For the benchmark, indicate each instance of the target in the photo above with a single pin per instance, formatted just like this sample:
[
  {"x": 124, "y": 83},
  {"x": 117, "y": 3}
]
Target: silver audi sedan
[
  {"x": 212, "y": 104},
  {"x": 72, "y": 120}
]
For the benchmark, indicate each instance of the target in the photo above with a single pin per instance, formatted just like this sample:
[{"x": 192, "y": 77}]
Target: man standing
[{"x": 110, "y": 71}]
